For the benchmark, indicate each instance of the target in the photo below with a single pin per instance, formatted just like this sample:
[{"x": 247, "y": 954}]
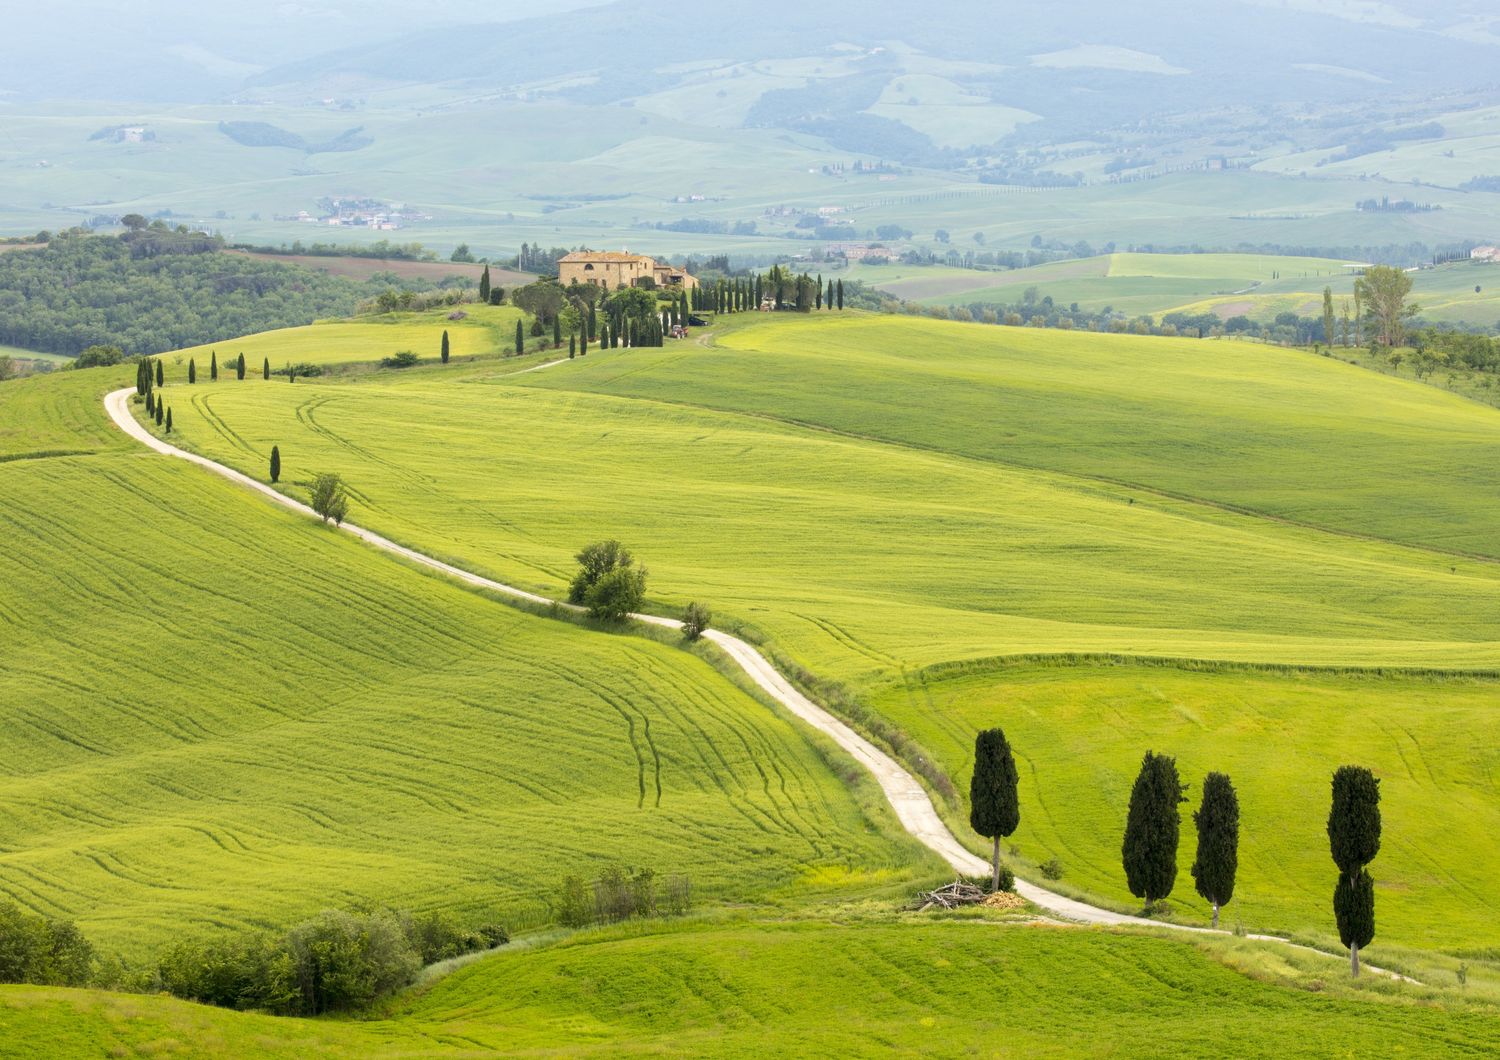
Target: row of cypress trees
[
  {"x": 739, "y": 295},
  {"x": 1149, "y": 850}
]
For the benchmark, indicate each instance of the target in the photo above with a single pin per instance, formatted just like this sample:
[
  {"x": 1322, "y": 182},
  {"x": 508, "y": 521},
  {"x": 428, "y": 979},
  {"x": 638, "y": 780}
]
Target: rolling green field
[
  {"x": 956, "y": 988},
  {"x": 484, "y": 329},
  {"x": 217, "y": 715},
  {"x": 877, "y": 495}
]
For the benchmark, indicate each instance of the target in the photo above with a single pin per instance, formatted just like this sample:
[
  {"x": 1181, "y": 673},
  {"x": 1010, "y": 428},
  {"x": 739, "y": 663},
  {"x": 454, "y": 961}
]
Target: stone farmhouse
[{"x": 610, "y": 271}]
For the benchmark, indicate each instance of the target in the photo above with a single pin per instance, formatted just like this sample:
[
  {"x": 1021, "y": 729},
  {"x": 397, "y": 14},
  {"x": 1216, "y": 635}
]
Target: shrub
[
  {"x": 304, "y": 371},
  {"x": 42, "y": 951},
  {"x": 404, "y": 359},
  {"x": 615, "y": 595},
  {"x": 1007, "y": 879},
  {"x": 575, "y": 905},
  {"x": 695, "y": 620},
  {"x": 621, "y": 894},
  {"x": 1052, "y": 869},
  {"x": 99, "y": 356},
  {"x": 595, "y": 561}
]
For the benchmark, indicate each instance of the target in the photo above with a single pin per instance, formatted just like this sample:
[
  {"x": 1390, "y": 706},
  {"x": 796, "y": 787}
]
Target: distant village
[{"x": 359, "y": 213}]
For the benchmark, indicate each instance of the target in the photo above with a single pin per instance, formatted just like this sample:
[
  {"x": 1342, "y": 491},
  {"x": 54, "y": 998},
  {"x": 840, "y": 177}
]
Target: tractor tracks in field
[{"x": 910, "y": 801}]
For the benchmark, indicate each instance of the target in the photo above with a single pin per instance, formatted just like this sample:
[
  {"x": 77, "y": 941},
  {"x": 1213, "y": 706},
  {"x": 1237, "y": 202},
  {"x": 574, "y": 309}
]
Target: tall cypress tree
[
  {"x": 557, "y": 331},
  {"x": 192, "y": 370},
  {"x": 169, "y": 421},
  {"x": 1328, "y": 315},
  {"x": 484, "y": 289},
  {"x": 818, "y": 304},
  {"x": 1354, "y": 840},
  {"x": 158, "y": 413},
  {"x": 828, "y": 301},
  {"x": 239, "y": 367},
  {"x": 840, "y": 290},
  {"x": 1218, "y": 821},
  {"x": 265, "y": 368},
  {"x": 275, "y": 463},
  {"x": 140, "y": 378},
  {"x": 213, "y": 366},
  {"x": 444, "y": 349},
  {"x": 572, "y": 345},
  {"x": 520, "y": 338},
  {"x": 1149, "y": 852},
  {"x": 159, "y": 375},
  {"x": 994, "y": 805},
  {"x": 150, "y": 405}
]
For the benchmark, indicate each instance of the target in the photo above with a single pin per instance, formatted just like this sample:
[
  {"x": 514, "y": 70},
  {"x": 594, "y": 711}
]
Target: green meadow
[
  {"x": 875, "y": 497},
  {"x": 753, "y": 988},
  {"x": 216, "y": 715}
]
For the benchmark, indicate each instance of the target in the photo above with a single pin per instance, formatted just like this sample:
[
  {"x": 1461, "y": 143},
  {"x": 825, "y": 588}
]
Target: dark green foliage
[
  {"x": 275, "y": 463},
  {"x": 695, "y": 620},
  {"x": 621, "y": 894},
  {"x": 1149, "y": 852},
  {"x": 484, "y": 287},
  {"x": 140, "y": 378},
  {"x": 840, "y": 292},
  {"x": 337, "y": 962},
  {"x": 169, "y": 421},
  {"x": 994, "y": 802},
  {"x": 404, "y": 359},
  {"x": 192, "y": 370},
  {"x": 159, "y": 376},
  {"x": 444, "y": 351},
  {"x": 265, "y": 368},
  {"x": 1007, "y": 880},
  {"x": 239, "y": 367},
  {"x": 556, "y": 332},
  {"x": 95, "y": 356},
  {"x": 1354, "y": 818},
  {"x": 1354, "y": 909},
  {"x": 1218, "y": 821},
  {"x": 607, "y": 582},
  {"x": 150, "y": 404},
  {"x": 330, "y": 498},
  {"x": 1052, "y": 869},
  {"x": 213, "y": 366},
  {"x": 520, "y": 338},
  {"x": 42, "y": 951},
  {"x": 159, "y": 408}
]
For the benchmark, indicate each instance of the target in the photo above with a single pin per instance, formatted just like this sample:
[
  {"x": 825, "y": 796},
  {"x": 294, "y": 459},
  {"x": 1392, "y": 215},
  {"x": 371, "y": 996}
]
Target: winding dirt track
[{"x": 907, "y": 797}]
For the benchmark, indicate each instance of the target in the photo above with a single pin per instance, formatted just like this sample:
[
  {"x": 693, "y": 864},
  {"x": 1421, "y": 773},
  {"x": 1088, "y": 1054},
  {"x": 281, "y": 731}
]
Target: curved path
[{"x": 908, "y": 798}]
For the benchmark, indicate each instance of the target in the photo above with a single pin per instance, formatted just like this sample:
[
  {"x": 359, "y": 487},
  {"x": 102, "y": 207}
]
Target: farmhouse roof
[{"x": 603, "y": 255}]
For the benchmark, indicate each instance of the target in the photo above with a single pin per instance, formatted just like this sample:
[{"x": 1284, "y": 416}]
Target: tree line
[{"x": 1148, "y": 852}]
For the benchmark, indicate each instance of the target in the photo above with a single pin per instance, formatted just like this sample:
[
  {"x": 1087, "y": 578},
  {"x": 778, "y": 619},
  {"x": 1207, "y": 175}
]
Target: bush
[
  {"x": 42, "y": 951},
  {"x": 615, "y": 595},
  {"x": 99, "y": 356},
  {"x": 621, "y": 894},
  {"x": 404, "y": 359},
  {"x": 301, "y": 371},
  {"x": 595, "y": 561},
  {"x": 1007, "y": 879},
  {"x": 1052, "y": 869},
  {"x": 695, "y": 620}
]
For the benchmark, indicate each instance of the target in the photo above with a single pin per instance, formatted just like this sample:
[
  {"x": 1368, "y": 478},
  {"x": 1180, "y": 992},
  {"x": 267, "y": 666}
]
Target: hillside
[{"x": 754, "y": 988}]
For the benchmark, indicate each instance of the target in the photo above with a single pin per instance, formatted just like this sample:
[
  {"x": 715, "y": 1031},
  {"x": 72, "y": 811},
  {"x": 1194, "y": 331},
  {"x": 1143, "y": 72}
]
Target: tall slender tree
[
  {"x": 192, "y": 370},
  {"x": 556, "y": 331},
  {"x": 1218, "y": 821},
  {"x": 484, "y": 288},
  {"x": 520, "y": 338},
  {"x": 1328, "y": 335},
  {"x": 1149, "y": 852},
  {"x": 828, "y": 299},
  {"x": 572, "y": 345},
  {"x": 239, "y": 367},
  {"x": 994, "y": 804},
  {"x": 275, "y": 463},
  {"x": 158, "y": 413},
  {"x": 840, "y": 290},
  {"x": 819, "y": 304},
  {"x": 159, "y": 375},
  {"x": 1354, "y": 840},
  {"x": 265, "y": 368},
  {"x": 213, "y": 366},
  {"x": 169, "y": 421},
  {"x": 444, "y": 348}
]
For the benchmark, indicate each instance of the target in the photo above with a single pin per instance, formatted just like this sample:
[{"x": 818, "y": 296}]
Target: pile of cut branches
[{"x": 951, "y": 896}]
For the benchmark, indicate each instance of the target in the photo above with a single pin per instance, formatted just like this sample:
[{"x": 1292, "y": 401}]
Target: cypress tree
[
  {"x": 150, "y": 404},
  {"x": 593, "y": 332},
  {"x": 484, "y": 290},
  {"x": 994, "y": 805},
  {"x": 192, "y": 371},
  {"x": 520, "y": 338},
  {"x": 275, "y": 463},
  {"x": 158, "y": 413},
  {"x": 140, "y": 378},
  {"x": 159, "y": 375},
  {"x": 239, "y": 367},
  {"x": 572, "y": 346},
  {"x": 169, "y": 421},
  {"x": 444, "y": 351},
  {"x": 818, "y": 303},
  {"x": 1149, "y": 852},
  {"x": 265, "y": 368},
  {"x": 828, "y": 302},
  {"x": 557, "y": 332},
  {"x": 1354, "y": 840},
  {"x": 213, "y": 367},
  {"x": 1218, "y": 821},
  {"x": 841, "y": 293}
]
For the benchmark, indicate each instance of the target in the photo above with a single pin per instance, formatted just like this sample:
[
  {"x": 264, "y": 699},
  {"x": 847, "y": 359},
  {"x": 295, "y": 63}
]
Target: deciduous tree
[
  {"x": 1384, "y": 289},
  {"x": 994, "y": 803},
  {"x": 330, "y": 498}
]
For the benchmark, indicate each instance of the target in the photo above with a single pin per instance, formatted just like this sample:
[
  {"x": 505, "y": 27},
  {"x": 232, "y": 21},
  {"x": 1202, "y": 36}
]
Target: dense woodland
[{"x": 155, "y": 289}]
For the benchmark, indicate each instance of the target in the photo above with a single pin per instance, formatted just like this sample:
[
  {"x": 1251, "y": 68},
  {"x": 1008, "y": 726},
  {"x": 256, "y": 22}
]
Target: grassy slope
[
  {"x": 755, "y": 989},
  {"x": 216, "y": 714},
  {"x": 936, "y": 546},
  {"x": 485, "y": 329}
]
